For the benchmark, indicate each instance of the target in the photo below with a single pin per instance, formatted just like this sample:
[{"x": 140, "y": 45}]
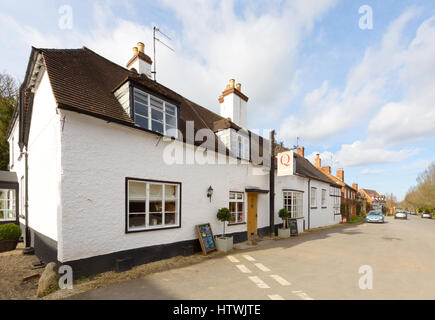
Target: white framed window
[
  {"x": 155, "y": 114},
  {"x": 152, "y": 205},
  {"x": 313, "y": 197},
  {"x": 293, "y": 202},
  {"x": 237, "y": 207},
  {"x": 323, "y": 198},
  {"x": 7, "y": 205}
]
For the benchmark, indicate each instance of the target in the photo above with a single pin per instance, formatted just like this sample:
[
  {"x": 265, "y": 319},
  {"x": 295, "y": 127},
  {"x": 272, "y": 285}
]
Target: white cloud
[
  {"x": 328, "y": 111},
  {"x": 413, "y": 118},
  {"x": 257, "y": 46}
]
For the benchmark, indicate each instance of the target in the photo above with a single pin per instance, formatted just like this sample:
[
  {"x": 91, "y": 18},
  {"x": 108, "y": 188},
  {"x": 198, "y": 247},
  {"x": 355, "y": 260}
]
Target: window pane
[
  {"x": 156, "y": 103},
  {"x": 232, "y": 195},
  {"x": 141, "y": 121},
  {"x": 1, "y": 215},
  {"x": 141, "y": 109},
  {"x": 232, "y": 207},
  {"x": 240, "y": 196},
  {"x": 170, "y": 109},
  {"x": 172, "y": 121},
  {"x": 170, "y": 218},
  {"x": 158, "y": 127},
  {"x": 141, "y": 96},
  {"x": 136, "y": 206},
  {"x": 240, "y": 207},
  {"x": 155, "y": 219},
  {"x": 156, "y": 198},
  {"x": 3, "y": 204},
  {"x": 233, "y": 218},
  {"x": 137, "y": 190},
  {"x": 156, "y": 115},
  {"x": 136, "y": 220}
]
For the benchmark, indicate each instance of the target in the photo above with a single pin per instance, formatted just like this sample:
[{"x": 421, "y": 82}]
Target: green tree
[{"x": 8, "y": 99}]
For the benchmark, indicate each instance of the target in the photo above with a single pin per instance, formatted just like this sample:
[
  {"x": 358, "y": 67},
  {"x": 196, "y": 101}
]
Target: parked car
[
  {"x": 401, "y": 215},
  {"x": 413, "y": 213},
  {"x": 375, "y": 216},
  {"x": 426, "y": 215}
]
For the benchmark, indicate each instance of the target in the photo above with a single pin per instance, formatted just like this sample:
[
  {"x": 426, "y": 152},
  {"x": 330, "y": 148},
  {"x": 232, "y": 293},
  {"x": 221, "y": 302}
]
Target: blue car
[{"x": 375, "y": 217}]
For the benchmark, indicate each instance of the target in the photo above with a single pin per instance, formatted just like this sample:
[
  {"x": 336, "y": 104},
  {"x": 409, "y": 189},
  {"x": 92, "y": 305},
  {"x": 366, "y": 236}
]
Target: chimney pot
[
  {"x": 239, "y": 87},
  {"x": 340, "y": 174},
  {"x": 135, "y": 51},
  {"x": 232, "y": 83},
  {"x": 301, "y": 151},
  {"x": 141, "y": 47},
  {"x": 318, "y": 162}
]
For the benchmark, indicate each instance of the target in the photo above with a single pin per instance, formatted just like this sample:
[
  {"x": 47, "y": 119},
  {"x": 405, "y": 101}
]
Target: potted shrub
[
  {"x": 9, "y": 235},
  {"x": 224, "y": 243},
  {"x": 285, "y": 231}
]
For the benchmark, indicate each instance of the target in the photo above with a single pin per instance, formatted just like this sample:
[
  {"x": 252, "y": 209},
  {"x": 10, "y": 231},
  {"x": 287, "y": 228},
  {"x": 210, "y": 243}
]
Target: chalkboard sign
[
  {"x": 293, "y": 226},
  {"x": 206, "y": 238}
]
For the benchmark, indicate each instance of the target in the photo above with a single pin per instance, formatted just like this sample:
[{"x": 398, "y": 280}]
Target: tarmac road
[{"x": 322, "y": 264}]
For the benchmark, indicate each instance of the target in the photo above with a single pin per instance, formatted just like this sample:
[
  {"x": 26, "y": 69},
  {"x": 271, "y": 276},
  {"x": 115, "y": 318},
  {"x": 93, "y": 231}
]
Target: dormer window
[{"x": 155, "y": 114}]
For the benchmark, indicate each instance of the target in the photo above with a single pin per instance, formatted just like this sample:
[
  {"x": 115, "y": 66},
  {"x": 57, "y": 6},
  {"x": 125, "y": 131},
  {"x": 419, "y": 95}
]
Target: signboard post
[
  {"x": 286, "y": 164},
  {"x": 206, "y": 239}
]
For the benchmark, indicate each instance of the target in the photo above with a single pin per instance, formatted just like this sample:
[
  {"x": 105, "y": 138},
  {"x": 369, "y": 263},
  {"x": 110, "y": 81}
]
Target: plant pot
[
  {"x": 8, "y": 245},
  {"x": 224, "y": 244},
  {"x": 283, "y": 233}
]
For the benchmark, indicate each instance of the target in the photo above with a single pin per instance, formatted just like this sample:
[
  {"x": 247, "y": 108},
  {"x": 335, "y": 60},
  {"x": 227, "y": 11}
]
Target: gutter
[{"x": 272, "y": 185}]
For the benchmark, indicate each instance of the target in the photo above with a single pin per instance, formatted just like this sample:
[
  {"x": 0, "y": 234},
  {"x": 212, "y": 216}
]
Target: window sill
[
  {"x": 325, "y": 207},
  {"x": 313, "y": 207},
  {"x": 152, "y": 229},
  {"x": 236, "y": 224}
]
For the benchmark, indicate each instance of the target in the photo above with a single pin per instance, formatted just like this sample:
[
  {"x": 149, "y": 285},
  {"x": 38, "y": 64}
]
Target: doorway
[{"x": 252, "y": 216}]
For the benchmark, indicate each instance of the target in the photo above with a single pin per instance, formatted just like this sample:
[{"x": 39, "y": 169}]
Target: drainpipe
[
  {"x": 272, "y": 185},
  {"x": 26, "y": 199},
  {"x": 309, "y": 203}
]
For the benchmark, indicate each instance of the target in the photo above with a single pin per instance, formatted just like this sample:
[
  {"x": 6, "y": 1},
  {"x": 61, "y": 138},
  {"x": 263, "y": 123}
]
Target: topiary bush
[
  {"x": 10, "y": 232},
  {"x": 223, "y": 215},
  {"x": 284, "y": 214}
]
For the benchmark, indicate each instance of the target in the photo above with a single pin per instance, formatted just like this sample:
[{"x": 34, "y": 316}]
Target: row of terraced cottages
[{"x": 107, "y": 163}]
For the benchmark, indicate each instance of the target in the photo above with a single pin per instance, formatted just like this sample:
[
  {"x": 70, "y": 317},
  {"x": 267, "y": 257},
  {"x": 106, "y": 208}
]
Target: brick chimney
[
  {"x": 318, "y": 162},
  {"x": 326, "y": 169},
  {"x": 340, "y": 174},
  {"x": 301, "y": 151},
  {"x": 234, "y": 104},
  {"x": 140, "y": 61},
  {"x": 355, "y": 186}
]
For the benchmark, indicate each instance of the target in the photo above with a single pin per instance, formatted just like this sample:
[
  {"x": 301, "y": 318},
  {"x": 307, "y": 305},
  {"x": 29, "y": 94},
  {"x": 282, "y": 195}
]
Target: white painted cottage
[{"x": 112, "y": 165}]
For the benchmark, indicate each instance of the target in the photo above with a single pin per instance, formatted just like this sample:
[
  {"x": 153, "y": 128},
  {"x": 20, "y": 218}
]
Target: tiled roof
[{"x": 84, "y": 81}]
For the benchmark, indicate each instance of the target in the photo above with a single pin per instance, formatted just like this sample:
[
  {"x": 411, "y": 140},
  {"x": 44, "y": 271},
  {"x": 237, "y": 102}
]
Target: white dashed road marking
[
  {"x": 247, "y": 257},
  {"x": 262, "y": 267},
  {"x": 280, "y": 280},
  {"x": 233, "y": 259},
  {"x": 260, "y": 283},
  {"x": 275, "y": 297},
  {"x": 243, "y": 268}
]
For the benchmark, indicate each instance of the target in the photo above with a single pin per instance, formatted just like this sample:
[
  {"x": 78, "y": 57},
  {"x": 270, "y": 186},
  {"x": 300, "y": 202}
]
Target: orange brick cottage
[{"x": 348, "y": 193}]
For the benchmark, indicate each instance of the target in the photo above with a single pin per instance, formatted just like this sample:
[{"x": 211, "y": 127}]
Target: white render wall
[
  {"x": 97, "y": 157},
  {"x": 44, "y": 163},
  {"x": 318, "y": 217}
]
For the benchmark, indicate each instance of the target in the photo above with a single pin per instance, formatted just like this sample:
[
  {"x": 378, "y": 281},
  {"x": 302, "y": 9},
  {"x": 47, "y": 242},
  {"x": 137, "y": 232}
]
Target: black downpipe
[
  {"x": 272, "y": 185},
  {"x": 26, "y": 200},
  {"x": 309, "y": 204}
]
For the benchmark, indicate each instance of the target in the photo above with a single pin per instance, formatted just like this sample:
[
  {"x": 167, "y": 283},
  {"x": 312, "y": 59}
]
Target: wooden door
[{"x": 252, "y": 214}]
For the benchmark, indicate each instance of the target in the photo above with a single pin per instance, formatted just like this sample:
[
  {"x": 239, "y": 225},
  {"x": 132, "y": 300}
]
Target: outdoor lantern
[{"x": 209, "y": 192}]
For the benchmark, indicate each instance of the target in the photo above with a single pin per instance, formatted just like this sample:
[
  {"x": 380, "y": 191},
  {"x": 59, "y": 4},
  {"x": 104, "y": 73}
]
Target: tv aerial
[{"x": 156, "y": 33}]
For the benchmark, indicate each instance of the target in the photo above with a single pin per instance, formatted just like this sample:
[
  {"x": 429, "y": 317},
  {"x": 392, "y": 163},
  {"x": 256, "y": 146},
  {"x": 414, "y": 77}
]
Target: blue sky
[{"x": 363, "y": 99}]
